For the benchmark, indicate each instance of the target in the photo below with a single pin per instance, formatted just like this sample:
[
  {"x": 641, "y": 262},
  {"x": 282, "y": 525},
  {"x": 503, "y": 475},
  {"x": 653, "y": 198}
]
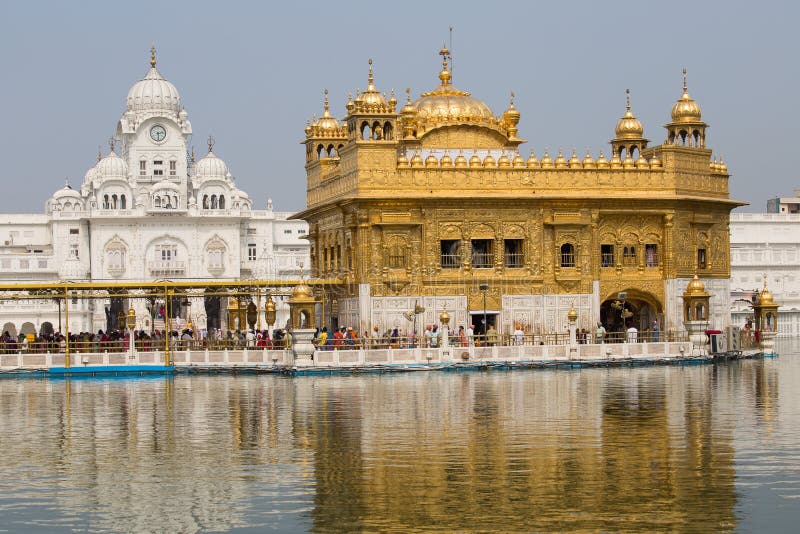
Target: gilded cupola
[
  {"x": 687, "y": 127},
  {"x": 629, "y": 127},
  {"x": 685, "y": 109},
  {"x": 629, "y": 133},
  {"x": 326, "y": 126},
  {"x": 370, "y": 117},
  {"x": 372, "y": 100}
]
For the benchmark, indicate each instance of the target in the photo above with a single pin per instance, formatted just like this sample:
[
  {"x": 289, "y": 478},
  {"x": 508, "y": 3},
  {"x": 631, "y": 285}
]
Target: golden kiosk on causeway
[{"x": 429, "y": 204}]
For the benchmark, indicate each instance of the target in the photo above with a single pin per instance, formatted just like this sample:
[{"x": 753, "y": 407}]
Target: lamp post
[
  {"x": 252, "y": 315},
  {"x": 131, "y": 323},
  {"x": 444, "y": 320},
  {"x": 484, "y": 288},
  {"x": 269, "y": 314}
]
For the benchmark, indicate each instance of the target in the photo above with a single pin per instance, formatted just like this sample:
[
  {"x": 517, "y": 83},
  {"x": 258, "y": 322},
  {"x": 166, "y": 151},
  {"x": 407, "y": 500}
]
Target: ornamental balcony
[{"x": 166, "y": 267}]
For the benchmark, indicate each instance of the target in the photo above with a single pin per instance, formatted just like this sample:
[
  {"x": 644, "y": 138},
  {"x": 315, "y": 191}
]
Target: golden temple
[{"x": 434, "y": 206}]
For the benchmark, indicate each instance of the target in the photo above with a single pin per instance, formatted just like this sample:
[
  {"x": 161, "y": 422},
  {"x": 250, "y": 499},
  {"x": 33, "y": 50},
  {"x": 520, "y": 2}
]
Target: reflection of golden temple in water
[
  {"x": 640, "y": 449},
  {"x": 543, "y": 451}
]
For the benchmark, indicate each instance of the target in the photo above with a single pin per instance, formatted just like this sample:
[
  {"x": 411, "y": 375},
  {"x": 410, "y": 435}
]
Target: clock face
[{"x": 158, "y": 133}]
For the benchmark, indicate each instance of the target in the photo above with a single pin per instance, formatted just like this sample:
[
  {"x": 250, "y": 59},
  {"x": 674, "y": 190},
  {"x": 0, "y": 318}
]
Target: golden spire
[
  {"x": 684, "y": 81},
  {"x": 370, "y": 79},
  {"x": 444, "y": 75},
  {"x": 153, "y": 55},
  {"x": 112, "y": 143},
  {"x": 210, "y": 144},
  {"x": 99, "y": 155},
  {"x": 326, "y": 112},
  {"x": 628, "y": 100}
]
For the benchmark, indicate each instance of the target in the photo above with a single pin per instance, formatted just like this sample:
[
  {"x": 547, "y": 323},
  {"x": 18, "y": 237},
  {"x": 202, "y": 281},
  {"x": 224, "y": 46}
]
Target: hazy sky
[{"x": 251, "y": 74}]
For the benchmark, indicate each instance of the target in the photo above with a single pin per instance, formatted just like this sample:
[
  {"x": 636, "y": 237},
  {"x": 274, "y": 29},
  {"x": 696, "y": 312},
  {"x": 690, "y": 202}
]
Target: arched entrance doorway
[
  {"x": 631, "y": 307},
  {"x": 212, "y": 311},
  {"x": 46, "y": 329}
]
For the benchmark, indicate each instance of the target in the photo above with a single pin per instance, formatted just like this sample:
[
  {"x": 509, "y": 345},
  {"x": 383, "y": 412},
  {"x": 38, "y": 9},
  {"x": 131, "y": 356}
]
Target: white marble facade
[
  {"x": 146, "y": 211},
  {"x": 536, "y": 314},
  {"x": 766, "y": 244}
]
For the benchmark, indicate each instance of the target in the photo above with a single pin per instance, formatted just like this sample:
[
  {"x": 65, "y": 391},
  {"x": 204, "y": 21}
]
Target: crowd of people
[
  {"x": 118, "y": 341},
  {"x": 341, "y": 338}
]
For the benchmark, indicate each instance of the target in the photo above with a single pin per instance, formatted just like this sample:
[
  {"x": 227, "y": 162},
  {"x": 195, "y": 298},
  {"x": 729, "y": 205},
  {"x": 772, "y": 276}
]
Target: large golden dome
[
  {"x": 685, "y": 109},
  {"x": 446, "y": 104}
]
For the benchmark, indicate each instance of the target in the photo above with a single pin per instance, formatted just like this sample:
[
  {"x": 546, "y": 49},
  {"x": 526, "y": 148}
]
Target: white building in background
[
  {"x": 766, "y": 244},
  {"x": 146, "y": 211}
]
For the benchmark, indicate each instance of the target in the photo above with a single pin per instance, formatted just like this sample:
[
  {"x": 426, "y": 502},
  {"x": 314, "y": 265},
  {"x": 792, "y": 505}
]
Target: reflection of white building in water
[
  {"x": 147, "y": 211},
  {"x": 766, "y": 243}
]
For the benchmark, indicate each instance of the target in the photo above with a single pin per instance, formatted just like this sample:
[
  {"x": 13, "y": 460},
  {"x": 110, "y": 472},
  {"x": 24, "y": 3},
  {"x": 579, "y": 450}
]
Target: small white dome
[
  {"x": 154, "y": 94},
  {"x": 210, "y": 166},
  {"x": 112, "y": 166},
  {"x": 165, "y": 184},
  {"x": 66, "y": 192}
]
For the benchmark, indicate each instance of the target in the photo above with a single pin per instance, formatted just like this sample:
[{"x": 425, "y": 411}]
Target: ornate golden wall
[{"x": 445, "y": 169}]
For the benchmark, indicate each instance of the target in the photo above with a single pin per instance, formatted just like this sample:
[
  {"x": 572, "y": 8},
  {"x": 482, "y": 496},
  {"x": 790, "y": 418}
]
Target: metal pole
[
  {"x": 166, "y": 325},
  {"x": 485, "y": 324},
  {"x": 66, "y": 337},
  {"x": 484, "y": 288}
]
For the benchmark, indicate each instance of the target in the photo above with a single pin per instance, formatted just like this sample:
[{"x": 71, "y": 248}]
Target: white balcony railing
[{"x": 166, "y": 267}]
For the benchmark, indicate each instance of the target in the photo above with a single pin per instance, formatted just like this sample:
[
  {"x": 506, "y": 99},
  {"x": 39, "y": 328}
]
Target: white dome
[
  {"x": 90, "y": 175},
  {"x": 154, "y": 94},
  {"x": 66, "y": 192},
  {"x": 165, "y": 184},
  {"x": 210, "y": 166},
  {"x": 112, "y": 166}
]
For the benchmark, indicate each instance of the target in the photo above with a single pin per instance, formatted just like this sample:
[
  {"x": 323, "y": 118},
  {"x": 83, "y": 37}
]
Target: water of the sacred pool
[{"x": 668, "y": 448}]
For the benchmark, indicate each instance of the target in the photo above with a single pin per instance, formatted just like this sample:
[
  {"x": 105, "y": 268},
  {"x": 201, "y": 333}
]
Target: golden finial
[
  {"x": 445, "y": 74},
  {"x": 370, "y": 78},
  {"x": 210, "y": 144},
  {"x": 628, "y": 99},
  {"x": 684, "y": 80},
  {"x": 765, "y": 280},
  {"x": 572, "y": 315},
  {"x": 325, "y": 105},
  {"x": 408, "y": 94},
  {"x": 99, "y": 155},
  {"x": 153, "y": 55},
  {"x": 511, "y": 104}
]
